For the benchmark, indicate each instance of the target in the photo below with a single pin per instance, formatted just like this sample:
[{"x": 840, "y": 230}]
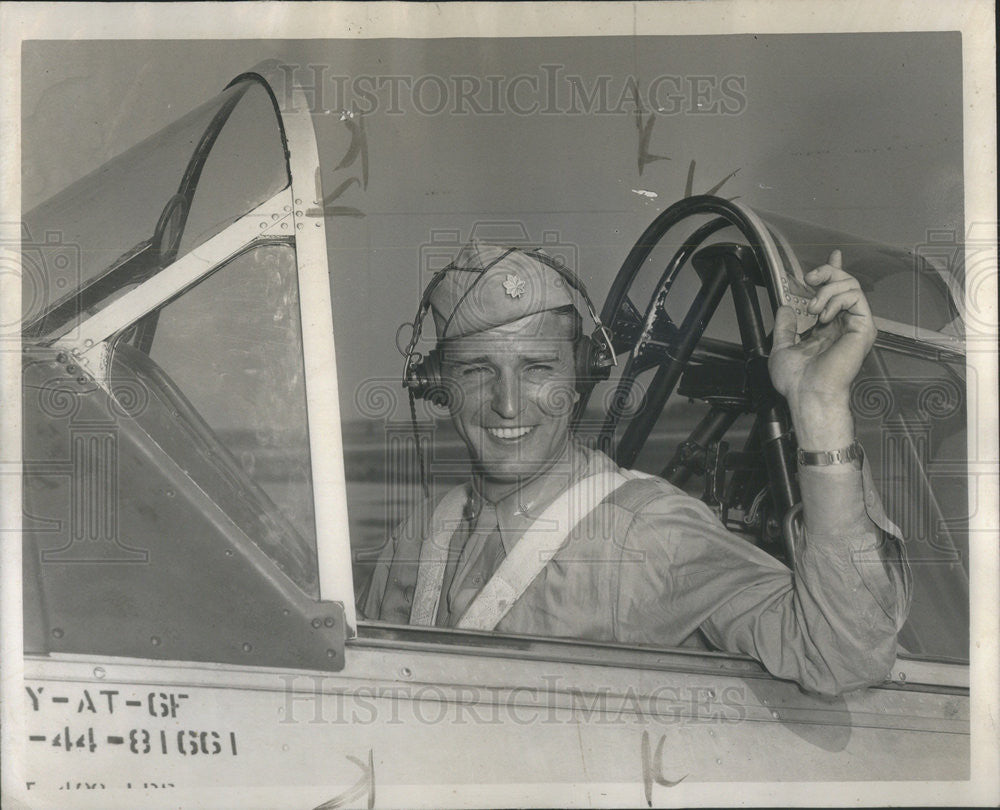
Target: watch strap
[{"x": 825, "y": 458}]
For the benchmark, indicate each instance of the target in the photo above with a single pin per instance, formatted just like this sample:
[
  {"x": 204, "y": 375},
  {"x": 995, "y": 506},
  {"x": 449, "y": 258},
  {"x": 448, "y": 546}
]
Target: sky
[{"x": 542, "y": 138}]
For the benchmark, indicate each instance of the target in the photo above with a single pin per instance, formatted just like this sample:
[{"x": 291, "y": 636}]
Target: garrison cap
[{"x": 492, "y": 285}]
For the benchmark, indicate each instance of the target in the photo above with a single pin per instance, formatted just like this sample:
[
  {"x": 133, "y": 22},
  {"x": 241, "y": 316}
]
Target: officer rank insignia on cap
[{"x": 514, "y": 286}]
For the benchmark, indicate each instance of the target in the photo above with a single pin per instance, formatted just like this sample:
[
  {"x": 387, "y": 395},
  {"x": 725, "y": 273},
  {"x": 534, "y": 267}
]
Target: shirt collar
[{"x": 517, "y": 511}]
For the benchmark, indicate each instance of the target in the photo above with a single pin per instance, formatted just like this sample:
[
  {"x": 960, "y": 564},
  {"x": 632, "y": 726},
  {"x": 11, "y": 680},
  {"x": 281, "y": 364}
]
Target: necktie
[{"x": 480, "y": 555}]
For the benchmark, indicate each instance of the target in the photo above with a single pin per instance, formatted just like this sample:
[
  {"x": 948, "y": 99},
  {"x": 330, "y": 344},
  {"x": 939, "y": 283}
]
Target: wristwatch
[{"x": 824, "y": 458}]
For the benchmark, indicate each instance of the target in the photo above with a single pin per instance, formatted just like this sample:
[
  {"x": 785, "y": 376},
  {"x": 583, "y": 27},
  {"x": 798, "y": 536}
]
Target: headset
[{"x": 594, "y": 358}]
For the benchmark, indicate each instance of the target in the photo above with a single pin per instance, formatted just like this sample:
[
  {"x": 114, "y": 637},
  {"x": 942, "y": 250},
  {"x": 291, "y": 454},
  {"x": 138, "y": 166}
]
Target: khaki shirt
[{"x": 651, "y": 565}]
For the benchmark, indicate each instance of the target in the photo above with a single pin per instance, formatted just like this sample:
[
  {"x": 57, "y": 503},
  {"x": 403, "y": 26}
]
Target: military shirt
[{"x": 651, "y": 565}]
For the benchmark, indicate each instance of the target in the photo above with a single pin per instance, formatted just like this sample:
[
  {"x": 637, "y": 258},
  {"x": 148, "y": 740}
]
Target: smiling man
[
  {"x": 551, "y": 538},
  {"x": 512, "y": 395}
]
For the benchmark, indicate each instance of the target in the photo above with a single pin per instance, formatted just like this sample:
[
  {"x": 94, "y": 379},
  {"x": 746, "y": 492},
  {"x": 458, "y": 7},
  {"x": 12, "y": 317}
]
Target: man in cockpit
[{"x": 551, "y": 538}]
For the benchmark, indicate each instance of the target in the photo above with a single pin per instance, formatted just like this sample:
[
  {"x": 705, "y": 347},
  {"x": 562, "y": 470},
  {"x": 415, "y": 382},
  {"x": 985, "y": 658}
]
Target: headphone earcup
[
  {"x": 423, "y": 376},
  {"x": 433, "y": 386},
  {"x": 584, "y": 352},
  {"x": 593, "y": 365}
]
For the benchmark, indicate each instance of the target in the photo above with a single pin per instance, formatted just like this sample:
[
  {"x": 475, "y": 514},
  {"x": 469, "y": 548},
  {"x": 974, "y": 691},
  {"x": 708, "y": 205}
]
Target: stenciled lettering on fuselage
[{"x": 138, "y": 722}]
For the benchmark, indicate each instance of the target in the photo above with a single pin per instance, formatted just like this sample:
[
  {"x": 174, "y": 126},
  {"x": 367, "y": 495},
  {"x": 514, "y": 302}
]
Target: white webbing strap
[
  {"x": 434, "y": 556},
  {"x": 537, "y": 546}
]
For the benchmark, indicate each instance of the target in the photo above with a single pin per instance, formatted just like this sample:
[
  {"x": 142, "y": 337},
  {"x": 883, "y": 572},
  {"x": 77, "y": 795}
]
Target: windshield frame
[{"x": 286, "y": 214}]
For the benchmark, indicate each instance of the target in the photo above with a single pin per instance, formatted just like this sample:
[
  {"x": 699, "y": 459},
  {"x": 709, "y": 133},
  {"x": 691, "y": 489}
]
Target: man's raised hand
[{"x": 815, "y": 372}]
